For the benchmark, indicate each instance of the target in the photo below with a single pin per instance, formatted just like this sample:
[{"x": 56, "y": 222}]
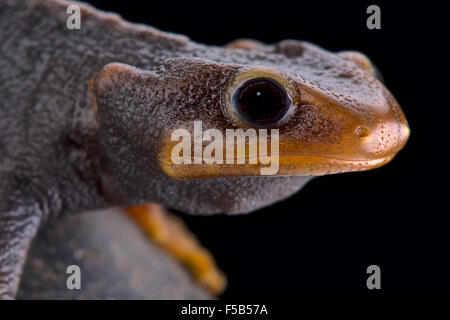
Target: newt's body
[{"x": 86, "y": 117}]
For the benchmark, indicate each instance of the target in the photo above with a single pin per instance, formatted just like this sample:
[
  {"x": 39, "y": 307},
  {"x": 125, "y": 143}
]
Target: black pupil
[{"x": 261, "y": 101}]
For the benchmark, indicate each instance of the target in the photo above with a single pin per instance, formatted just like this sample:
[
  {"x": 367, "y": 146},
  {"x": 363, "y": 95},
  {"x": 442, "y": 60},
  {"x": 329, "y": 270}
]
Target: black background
[{"x": 318, "y": 243}]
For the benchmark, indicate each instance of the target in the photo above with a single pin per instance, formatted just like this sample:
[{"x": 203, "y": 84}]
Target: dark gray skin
[{"x": 78, "y": 134}]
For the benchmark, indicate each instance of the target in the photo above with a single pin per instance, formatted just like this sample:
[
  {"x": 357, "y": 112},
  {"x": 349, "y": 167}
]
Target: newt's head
[{"x": 302, "y": 111}]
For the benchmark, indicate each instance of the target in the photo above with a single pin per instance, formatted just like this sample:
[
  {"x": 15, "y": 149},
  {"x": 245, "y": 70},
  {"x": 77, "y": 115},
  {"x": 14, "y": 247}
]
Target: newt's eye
[
  {"x": 259, "y": 97},
  {"x": 261, "y": 102}
]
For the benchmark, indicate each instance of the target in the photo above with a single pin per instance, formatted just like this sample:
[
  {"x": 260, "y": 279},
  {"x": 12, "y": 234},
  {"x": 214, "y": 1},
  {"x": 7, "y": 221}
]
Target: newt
[{"x": 86, "y": 118}]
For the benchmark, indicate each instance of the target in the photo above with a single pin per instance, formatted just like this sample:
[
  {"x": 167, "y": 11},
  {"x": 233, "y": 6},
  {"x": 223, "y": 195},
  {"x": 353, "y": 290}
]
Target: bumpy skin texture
[{"x": 69, "y": 143}]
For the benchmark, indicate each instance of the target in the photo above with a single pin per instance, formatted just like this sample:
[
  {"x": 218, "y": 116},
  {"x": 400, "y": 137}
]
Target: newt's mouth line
[
  {"x": 288, "y": 164},
  {"x": 336, "y": 160},
  {"x": 305, "y": 155},
  {"x": 293, "y": 165}
]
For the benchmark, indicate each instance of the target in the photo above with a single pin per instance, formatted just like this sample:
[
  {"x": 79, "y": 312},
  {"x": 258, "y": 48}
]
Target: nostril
[{"x": 361, "y": 132}]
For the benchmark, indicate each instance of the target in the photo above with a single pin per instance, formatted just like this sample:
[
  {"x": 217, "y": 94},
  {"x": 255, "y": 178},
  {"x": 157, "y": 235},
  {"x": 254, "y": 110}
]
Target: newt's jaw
[
  {"x": 300, "y": 165},
  {"x": 361, "y": 149},
  {"x": 321, "y": 165},
  {"x": 288, "y": 164}
]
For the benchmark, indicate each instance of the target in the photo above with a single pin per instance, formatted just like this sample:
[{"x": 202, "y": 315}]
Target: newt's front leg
[
  {"x": 171, "y": 233},
  {"x": 18, "y": 227}
]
